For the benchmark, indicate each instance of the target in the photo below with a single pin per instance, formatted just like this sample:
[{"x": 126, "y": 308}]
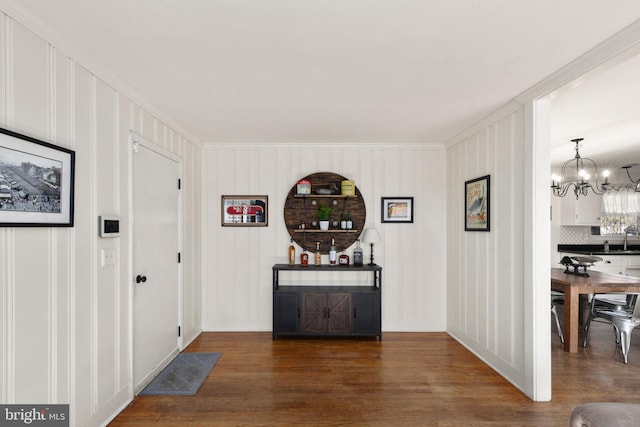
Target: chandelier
[
  {"x": 635, "y": 181},
  {"x": 576, "y": 175}
]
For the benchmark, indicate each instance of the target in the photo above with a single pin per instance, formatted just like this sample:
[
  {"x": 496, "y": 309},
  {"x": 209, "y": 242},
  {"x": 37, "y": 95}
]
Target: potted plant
[{"x": 324, "y": 214}]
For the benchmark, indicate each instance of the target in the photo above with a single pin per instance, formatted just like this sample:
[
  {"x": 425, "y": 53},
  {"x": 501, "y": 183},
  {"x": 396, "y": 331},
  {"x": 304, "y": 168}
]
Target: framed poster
[
  {"x": 397, "y": 209},
  {"x": 245, "y": 211},
  {"x": 36, "y": 182},
  {"x": 477, "y": 204}
]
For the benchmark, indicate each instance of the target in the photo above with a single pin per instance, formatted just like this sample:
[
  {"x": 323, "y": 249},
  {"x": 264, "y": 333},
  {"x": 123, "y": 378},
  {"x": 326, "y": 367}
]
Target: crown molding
[
  {"x": 616, "y": 49},
  {"x": 319, "y": 145},
  {"x": 41, "y": 28},
  {"x": 499, "y": 114}
]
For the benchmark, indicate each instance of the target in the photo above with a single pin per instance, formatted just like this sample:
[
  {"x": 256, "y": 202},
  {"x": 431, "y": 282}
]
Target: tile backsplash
[{"x": 575, "y": 235}]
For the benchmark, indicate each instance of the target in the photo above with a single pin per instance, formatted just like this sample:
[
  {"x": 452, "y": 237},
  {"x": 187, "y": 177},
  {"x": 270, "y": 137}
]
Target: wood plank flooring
[{"x": 408, "y": 379}]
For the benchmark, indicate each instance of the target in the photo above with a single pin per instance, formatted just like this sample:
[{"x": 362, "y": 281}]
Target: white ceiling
[
  {"x": 604, "y": 110},
  {"x": 322, "y": 70}
]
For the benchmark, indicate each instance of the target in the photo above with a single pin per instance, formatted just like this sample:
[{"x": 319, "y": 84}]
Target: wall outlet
[{"x": 108, "y": 256}]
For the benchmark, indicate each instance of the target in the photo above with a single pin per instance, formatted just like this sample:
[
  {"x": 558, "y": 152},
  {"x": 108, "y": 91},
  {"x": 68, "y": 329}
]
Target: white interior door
[{"x": 156, "y": 271}]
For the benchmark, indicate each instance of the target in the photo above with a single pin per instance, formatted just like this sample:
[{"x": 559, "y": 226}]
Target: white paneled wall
[
  {"x": 64, "y": 318},
  {"x": 238, "y": 260},
  {"x": 486, "y": 269}
]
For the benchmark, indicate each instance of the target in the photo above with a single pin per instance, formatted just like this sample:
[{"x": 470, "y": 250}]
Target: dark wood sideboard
[{"x": 330, "y": 310}]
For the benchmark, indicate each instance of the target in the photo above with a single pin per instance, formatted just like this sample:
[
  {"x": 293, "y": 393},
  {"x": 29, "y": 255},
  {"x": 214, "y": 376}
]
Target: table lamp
[{"x": 371, "y": 236}]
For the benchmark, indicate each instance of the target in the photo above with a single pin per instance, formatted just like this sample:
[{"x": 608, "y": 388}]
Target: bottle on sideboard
[
  {"x": 304, "y": 257},
  {"x": 349, "y": 222},
  {"x": 292, "y": 252},
  {"x": 357, "y": 254},
  {"x": 318, "y": 255},
  {"x": 332, "y": 253},
  {"x": 343, "y": 259}
]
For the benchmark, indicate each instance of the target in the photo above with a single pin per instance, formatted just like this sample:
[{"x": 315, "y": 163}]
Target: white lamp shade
[{"x": 371, "y": 235}]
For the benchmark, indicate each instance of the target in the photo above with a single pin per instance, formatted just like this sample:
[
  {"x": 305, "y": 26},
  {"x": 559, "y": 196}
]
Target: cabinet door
[
  {"x": 610, "y": 270},
  {"x": 633, "y": 271},
  {"x": 339, "y": 313},
  {"x": 610, "y": 264},
  {"x": 313, "y": 314},
  {"x": 286, "y": 312},
  {"x": 584, "y": 211},
  {"x": 326, "y": 313},
  {"x": 366, "y": 313},
  {"x": 589, "y": 210}
]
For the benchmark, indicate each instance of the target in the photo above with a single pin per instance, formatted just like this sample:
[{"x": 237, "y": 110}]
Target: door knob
[{"x": 140, "y": 278}]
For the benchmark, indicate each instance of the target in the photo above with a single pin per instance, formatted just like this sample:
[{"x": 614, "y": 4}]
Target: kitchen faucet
[{"x": 632, "y": 229}]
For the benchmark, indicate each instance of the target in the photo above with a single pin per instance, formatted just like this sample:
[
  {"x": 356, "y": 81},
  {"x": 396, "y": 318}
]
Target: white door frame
[
  {"x": 135, "y": 138},
  {"x": 623, "y": 45}
]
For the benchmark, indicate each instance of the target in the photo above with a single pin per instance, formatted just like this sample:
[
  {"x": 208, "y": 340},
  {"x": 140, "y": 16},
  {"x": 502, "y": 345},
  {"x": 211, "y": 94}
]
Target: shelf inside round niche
[{"x": 300, "y": 209}]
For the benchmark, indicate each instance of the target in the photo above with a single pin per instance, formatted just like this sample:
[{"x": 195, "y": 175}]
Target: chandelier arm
[
  {"x": 629, "y": 175},
  {"x": 597, "y": 190},
  {"x": 562, "y": 190}
]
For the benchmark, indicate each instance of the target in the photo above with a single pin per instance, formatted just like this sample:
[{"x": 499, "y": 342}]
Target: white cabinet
[
  {"x": 633, "y": 266},
  {"x": 611, "y": 264},
  {"x": 584, "y": 211}
]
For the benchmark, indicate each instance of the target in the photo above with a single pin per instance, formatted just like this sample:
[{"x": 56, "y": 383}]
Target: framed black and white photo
[
  {"x": 397, "y": 209},
  {"x": 36, "y": 182},
  {"x": 477, "y": 204},
  {"x": 245, "y": 211}
]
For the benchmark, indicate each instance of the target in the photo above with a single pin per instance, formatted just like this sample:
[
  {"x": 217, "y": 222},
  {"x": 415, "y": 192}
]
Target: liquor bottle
[
  {"x": 304, "y": 257},
  {"x": 343, "y": 259},
  {"x": 318, "y": 255},
  {"x": 292, "y": 252},
  {"x": 332, "y": 253},
  {"x": 349, "y": 222},
  {"x": 357, "y": 255},
  {"x": 343, "y": 223}
]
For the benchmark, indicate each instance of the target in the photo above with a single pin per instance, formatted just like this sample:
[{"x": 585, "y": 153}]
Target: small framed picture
[
  {"x": 36, "y": 182},
  {"x": 245, "y": 211},
  {"x": 477, "y": 204},
  {"x": 397, "y": 209}
]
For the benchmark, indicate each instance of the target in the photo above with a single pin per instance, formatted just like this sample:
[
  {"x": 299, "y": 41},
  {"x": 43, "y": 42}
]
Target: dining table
[{"x": 572, "y": 286}]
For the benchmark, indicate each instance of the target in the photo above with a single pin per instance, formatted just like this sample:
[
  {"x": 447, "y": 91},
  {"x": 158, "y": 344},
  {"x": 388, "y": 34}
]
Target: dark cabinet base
[{"x": 327, "y": 310}]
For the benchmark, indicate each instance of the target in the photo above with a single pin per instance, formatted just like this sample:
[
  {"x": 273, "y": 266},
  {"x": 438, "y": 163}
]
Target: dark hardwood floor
[{"x": 408, "y": 379}]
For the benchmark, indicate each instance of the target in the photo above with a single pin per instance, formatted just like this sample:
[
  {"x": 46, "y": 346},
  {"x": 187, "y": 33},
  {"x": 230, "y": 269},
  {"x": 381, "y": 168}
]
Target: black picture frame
[
  {"x": 397, "y": 209},
  {"x": 477, "y": 204},
  {"x": 36, "y": 182},
  {"x": 245, "y": 211}
]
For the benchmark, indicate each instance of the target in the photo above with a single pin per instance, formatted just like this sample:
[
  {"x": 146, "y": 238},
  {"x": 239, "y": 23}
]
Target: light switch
[{"x": 108, "y": 256}]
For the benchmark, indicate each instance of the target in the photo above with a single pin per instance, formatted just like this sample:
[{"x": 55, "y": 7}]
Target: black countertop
[{"x": 614, "y": 249}]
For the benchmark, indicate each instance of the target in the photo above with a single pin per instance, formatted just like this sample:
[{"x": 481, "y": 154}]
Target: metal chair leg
[
  {"x": 587, "y": 329},
  {"x": 555, "y": 314}
]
